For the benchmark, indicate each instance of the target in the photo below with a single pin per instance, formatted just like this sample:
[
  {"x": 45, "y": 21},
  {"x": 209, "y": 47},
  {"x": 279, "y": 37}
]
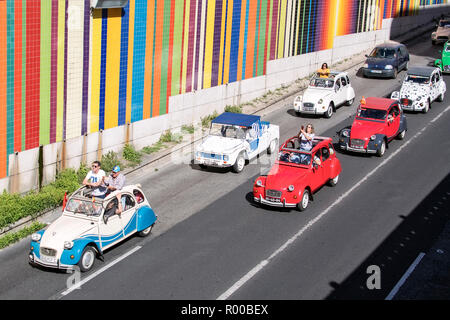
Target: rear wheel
[
  {"x": 401, "y": 135},
  {"x": 303, "y": 204},
  {"x": 334, "y": 181},
  {"x": 146, "y": 232},
  {"x": 350, "y": 102},
  {"x": 427, "y": 106},
  {"x": 272, "y": 146}
]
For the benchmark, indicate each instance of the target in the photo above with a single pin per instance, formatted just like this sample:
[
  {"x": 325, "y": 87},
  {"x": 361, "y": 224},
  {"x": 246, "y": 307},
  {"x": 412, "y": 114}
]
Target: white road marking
[
  {"x": 92, "y": 276},
  {"x": 405, "y": 276},
  {"x": 265, "y": 262}
]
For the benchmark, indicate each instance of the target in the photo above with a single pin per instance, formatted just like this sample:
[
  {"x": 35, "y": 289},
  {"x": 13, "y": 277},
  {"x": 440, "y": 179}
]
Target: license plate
[
  {"x": 308, "y": 108},
  {"x": 376, "y": 71},
  {"x": 48, "y": 259},
  {"x": 212, "y": 162}
]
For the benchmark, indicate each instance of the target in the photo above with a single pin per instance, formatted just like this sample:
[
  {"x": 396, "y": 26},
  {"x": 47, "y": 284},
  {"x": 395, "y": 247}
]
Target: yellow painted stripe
[
  {"x": 226, "y": 71},
  {"x": 95, "y": 69},
  {"x": 60, "y": 72},
  {"x": 209, "y": 44},
  {"x": 112, "y": 70},
  {"x": 130, "y": 61},
  {"x": 282, "y": 28}
]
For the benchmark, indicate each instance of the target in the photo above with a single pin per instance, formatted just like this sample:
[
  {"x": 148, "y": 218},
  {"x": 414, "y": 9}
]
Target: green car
[{"x": 444, "y": 62}]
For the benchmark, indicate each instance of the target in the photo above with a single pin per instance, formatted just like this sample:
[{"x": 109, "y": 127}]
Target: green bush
[
  {"x": 12, "y": 237},
  {"x": 188, "y": 129},
  {"x": 233, "y": 109},
  {"x": 206, "y": 121},
  {"x": 132, "y": 155},
  {"x": 110, "y": 160}
]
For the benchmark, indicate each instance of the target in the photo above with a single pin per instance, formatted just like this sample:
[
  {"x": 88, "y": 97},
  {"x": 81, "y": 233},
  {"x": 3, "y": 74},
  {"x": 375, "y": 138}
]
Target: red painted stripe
[
  {"x": 33, "y": 34},
  {"x": 169, "y": 70},
  {"x": 3, "y": 61},
  {"x": 273, "y": 35}
]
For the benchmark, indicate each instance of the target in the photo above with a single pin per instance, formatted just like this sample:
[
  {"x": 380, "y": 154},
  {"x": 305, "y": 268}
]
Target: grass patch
[
  {"x": 13, "y": 237},
  {"x": 110, "y": 160},
  {"x": 188, "y": 129},
  {"x": 153, "y": 148},
  {"x": 206, "y": 121}
]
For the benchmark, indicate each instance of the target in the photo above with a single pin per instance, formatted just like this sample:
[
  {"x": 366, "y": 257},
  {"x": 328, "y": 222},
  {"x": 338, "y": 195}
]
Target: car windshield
[
  {"x": 321, "y": 83},
  {"x": 372, "y": 113},
  {"x": 87, "y": 207},
  {"x": 382, "y": 53},
  {"x": 417, "y": 79},
  {"x": 228, "y": 131},
  {"x": 295, "y": 157},
  {"x": 444, "y": 23}
]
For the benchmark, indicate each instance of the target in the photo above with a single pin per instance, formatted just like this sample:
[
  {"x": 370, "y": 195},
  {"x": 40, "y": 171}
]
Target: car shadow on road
[
  {"x": 196, "y": 166},
  {"x": 302, "y": 115}
]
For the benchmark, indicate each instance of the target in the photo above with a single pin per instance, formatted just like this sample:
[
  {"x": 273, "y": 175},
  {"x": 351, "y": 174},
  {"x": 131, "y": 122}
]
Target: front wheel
[
  {"x": 394, "y": 76},
  {"x": 302, "y": 205},
  {"x": 329, "y": 112},
  {"x": 87, "y": 259},
  {"x": 441, "y": 97},
  {"x": 382, "y": 149},
  {"x": 239, "y": 164}
]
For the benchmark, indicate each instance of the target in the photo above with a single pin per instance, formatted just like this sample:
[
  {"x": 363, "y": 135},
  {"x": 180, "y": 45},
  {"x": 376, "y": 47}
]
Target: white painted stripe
[
  {"x": 263, "y": 263},
  {"x": 92, "y": 276},
  {"x": 405, "y": 276}
]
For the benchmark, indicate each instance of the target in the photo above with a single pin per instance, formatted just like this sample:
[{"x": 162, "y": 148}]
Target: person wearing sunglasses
[
  {"x": 306, "y": 137},
  {"x": 95, "y": 180}
]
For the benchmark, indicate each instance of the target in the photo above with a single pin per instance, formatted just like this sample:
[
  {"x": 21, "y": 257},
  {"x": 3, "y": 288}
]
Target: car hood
[
  {"x": 362, "y": 129},
  {"x": 218, "y": 145},
  {"x": 65, "y": 228},
  {"x": 379, "y": 62},
  {"x": 446, "y": 57},
  {"x": 413, "y": 90},
  {"x": 282, "y": 176},
  {"x": 315, "y": 94},
  {"x": 442, "y": 32}
]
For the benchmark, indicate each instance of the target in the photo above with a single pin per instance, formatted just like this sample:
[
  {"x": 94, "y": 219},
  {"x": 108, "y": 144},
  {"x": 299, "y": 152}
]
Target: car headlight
[
  {"x": 345, "y": 133},
  {"x": 226, "y": 158},
  {"x": 299, "y": 99},
  {"x": 291, "y": 188},
  {"x": 259, "y": 183},
  {"x": 366, "y": 65},
  {"x": 36, "y": 237},
  {"x": 68, "y": 244},
  {"x": 373, "y": 137},
  {"x": 198, "y": 154},
  {"x": 320, "y": 101},
  {"x": 389, "y": 67}
]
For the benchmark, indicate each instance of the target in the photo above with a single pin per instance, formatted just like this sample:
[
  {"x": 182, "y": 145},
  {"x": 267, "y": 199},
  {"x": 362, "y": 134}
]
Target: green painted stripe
[
  {"x": 177, "y": 47},
  {"x": 10, "y": 71},
  {"x": 45, "y": 69},
  {"x": 165, "y": 58},
  {"x": 262, "y": 38}
]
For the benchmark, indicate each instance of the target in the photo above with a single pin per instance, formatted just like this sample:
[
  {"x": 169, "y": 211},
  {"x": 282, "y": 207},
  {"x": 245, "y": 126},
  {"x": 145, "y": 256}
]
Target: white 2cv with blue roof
[
  {"x": 89, "y": 226},
  {"x": 235, "y": 138}
]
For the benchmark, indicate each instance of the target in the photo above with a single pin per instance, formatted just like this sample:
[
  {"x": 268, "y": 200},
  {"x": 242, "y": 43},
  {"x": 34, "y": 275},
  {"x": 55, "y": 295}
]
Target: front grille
[
  {"x": 442, "y": 38},
  {"x": 273, "y": 193},
  {"x": 406, "y": 102},
  {"x": 48, "y": 252},
  {"x": 357, "y": 143},
  {"x": 308, "y": 105},
  {"x": 211, "y": 156}
]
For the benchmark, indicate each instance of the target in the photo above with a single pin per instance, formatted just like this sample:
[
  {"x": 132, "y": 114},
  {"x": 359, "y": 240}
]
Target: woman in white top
[{"x": 306, "y": 137}]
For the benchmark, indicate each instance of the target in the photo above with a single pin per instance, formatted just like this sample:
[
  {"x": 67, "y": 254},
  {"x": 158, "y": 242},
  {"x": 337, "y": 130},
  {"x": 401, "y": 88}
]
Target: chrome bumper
[
  {"x": 35, "y": 260},
  {"x": 360, "y": 150},
  {"x": 283, "y": 204}
]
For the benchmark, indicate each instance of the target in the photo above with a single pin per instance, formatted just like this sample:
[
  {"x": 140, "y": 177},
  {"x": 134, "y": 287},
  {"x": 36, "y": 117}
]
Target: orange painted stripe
[
  {"x": 148, "y": 60},
  {"x": 253, "y": 6},
  {"x": 3, "y": 62},
  {"x": 157, "y": 59}
]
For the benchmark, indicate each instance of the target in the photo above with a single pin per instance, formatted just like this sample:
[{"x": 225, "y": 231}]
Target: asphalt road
[{"x": 212, "y": 241}]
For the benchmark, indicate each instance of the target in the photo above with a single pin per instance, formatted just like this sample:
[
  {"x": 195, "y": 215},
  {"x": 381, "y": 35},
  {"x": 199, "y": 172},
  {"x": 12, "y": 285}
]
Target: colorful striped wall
[{"x": 66, "y": 71}]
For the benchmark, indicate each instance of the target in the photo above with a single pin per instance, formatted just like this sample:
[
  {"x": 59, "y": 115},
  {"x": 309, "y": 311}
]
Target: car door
[
  {"x": 110, "y": 229},
  {"x": 393, "y": 126},
  {"x": 338, "y": 92},
  {"x": 326, "y": 164},
  {"x": 129, "y": 218},
  {"x": 345, "y": 89},
  {"x": 435, "y": 86},
  {"x": 317, "y": 171}
]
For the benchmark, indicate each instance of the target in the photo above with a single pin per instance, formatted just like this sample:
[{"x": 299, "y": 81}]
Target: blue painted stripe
[
  {"x": 235, "y": 32},
  {"x": 244, "y": 55},
  {"x": 225, "y": 44},
  {"x": 309, "y": 25},
  {"x": 101, "y": 124},
  {"x": 140, "y": 31},
  {"x": 123, "y": 65}
]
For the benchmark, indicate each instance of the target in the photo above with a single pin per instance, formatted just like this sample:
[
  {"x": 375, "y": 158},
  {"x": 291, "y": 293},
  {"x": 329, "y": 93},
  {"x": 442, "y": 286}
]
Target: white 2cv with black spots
[
  {"x": 89, "y": 226},
  {"x": 235, "y": 138},
  {"x": 421, "y": 86}
]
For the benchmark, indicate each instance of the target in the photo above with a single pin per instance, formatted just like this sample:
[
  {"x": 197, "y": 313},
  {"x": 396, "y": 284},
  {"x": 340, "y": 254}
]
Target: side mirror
[{"x": 366, "y": 55}]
